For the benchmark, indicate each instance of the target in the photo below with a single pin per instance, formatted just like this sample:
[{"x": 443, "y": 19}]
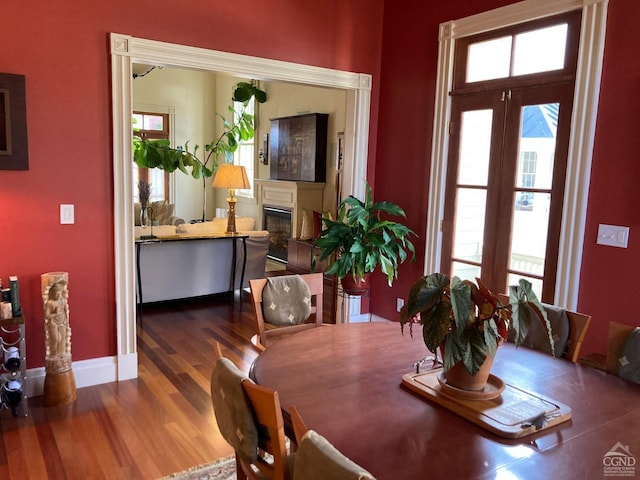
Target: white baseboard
[{"x": 87, "y": 373}]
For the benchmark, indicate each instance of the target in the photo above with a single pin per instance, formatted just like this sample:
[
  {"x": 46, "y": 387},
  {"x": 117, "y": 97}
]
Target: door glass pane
[
  {"x": 540, "y": 50},
  {"x": 489, "y": 59},
  {"x": 529, "y": 235},
  {"x": 475, "y": 143},
  {"x": 468, "y": 227},
  {"x": 537, "y": 146},
  {"x": 465, "y": 271}
]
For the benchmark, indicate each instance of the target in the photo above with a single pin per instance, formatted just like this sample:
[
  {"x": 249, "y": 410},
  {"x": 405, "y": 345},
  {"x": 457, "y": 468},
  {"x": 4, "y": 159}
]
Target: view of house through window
[{"x": 510, "y": 117}]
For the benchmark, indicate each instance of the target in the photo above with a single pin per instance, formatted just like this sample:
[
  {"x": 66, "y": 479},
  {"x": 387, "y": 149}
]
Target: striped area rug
[{"x": 221, "y": 469}]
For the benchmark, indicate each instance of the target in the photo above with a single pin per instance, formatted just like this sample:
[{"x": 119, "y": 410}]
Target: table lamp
[{"x": 233, "y": 177}]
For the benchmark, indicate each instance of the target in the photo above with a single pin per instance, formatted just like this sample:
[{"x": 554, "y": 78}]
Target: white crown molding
[{"x": 161, "y": 53}]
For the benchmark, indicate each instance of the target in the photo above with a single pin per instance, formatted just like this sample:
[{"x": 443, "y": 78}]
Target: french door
[{"x": 505, "y": 185}]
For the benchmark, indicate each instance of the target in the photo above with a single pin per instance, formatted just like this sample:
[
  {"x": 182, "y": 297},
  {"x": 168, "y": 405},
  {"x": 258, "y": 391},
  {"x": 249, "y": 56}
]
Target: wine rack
[{"x": 13, "y": 374}]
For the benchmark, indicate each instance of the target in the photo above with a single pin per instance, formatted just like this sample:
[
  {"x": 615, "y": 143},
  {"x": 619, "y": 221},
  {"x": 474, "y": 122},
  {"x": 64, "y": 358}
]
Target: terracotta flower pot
[
  {"x": 355, "y": 287},
  {"x": 458, "y": 376}
]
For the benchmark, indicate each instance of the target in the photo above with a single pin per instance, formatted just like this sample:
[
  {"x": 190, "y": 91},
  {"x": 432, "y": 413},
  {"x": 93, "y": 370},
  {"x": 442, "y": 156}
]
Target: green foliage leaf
[
  {"x": 360, "y": 240},
  {"x": 467, "y": 318}
]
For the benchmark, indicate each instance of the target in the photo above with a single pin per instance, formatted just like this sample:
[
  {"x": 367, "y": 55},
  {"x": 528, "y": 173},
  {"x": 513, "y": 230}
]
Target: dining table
[{"x": 346, "y": 382}]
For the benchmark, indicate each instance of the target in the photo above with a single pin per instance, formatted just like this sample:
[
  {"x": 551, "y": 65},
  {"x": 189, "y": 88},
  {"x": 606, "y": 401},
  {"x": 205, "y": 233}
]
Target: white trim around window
[{"x": 587, "y": 88}]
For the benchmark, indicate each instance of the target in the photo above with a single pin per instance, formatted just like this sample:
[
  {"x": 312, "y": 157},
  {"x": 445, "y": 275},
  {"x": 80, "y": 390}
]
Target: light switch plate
[
  {"x": 613, "y": 235},
  {"x": 66, "y": 214}
]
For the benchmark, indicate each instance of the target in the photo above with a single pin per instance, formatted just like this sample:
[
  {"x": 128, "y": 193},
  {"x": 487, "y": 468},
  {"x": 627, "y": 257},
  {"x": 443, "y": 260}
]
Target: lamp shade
[{"x": 233, "y": 177}]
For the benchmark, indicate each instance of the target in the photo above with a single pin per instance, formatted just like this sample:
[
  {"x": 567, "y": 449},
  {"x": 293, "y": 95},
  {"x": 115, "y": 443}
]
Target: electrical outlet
[{"x": 399, "y": 303}]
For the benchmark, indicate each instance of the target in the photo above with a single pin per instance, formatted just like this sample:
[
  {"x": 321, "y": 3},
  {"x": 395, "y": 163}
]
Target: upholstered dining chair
[
  {"x": 623, "y": 351},
  {"x": 285, "y": 304},
  {"x": 317, "y": 459},
  {"x": 250, "y": 419},
  {"x": 568, "y": 330}
]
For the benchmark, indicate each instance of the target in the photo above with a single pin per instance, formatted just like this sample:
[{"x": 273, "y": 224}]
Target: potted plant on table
[
  {"x": 360, "y": 239},
  {"x": 468, "y": 323}
]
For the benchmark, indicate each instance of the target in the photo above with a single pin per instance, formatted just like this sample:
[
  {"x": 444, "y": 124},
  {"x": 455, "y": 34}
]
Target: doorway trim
[
  {"x": 585, "y": 108},
  {"x": 126, "y": 50}
]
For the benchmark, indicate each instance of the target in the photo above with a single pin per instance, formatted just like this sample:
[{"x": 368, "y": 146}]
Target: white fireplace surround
[{"x": 294, "y": 196}]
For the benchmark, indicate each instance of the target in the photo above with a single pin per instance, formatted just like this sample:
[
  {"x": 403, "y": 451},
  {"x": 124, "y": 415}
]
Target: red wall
[
  {"x": 409, "y": 58},
  {"x": 63, "y": 49}
]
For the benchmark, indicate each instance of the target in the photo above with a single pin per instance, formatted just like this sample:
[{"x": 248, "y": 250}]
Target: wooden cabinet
[
  {"x": 298, "y": 148},
  {"x": 300, "y": 257}
]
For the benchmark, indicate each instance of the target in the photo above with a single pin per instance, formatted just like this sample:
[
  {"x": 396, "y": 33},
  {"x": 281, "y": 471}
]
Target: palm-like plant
[{"x": 360, "y": 239}]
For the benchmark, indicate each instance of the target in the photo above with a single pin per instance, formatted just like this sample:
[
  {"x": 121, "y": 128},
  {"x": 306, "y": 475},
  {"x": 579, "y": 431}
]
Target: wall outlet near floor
[{"x": 399, "y": 303}]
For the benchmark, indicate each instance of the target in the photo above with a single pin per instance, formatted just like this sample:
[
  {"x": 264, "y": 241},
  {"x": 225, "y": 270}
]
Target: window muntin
[
  {"x": 518, "y": 55},
  {"x": 535, "y": 51}
]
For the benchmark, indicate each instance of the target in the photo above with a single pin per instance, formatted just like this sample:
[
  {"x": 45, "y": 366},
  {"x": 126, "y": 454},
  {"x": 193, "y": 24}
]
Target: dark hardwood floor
[{"x": 160, "y": 423}]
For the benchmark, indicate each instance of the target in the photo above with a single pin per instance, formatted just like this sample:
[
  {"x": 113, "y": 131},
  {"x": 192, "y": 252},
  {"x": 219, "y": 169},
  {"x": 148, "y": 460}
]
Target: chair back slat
[{"x": 266, "y": 334}]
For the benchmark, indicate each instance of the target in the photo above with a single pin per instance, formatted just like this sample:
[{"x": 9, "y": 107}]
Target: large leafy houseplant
[
  {"x": 360, "y": 238},
  {"x": 160, "y": 154},
  {"x": 468, "y": 319}
]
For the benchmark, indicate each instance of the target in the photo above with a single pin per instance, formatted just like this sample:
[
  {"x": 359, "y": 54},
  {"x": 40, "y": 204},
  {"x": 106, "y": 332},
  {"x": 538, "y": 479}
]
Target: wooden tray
[{"x": 513, "y": 413}]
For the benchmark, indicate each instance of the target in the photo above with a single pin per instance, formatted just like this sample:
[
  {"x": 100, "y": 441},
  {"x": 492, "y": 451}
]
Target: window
[
  {"x": 524, "y": 200},
  {"x": 245, "y": 154},
  {"x": 507, "y": 155},
  {"x": 151, "y": 126}
]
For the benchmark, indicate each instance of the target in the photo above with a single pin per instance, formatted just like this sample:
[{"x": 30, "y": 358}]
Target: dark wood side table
[{"x": 300, "y": 260}]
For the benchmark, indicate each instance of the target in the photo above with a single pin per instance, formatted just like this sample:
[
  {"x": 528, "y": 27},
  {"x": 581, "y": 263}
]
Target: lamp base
[{"x": 231, "y": 223}]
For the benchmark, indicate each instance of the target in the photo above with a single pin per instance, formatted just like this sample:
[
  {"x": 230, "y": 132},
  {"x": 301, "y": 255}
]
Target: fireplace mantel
[{"x": 296, "y": 196}]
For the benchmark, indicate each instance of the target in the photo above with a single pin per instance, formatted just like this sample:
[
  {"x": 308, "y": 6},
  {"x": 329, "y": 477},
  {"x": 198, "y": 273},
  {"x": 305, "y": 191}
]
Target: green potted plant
[
  {"x": 360, "y": 239},
  {"x": 468, "y": 322},
  {"x": 160, "y": 154}
]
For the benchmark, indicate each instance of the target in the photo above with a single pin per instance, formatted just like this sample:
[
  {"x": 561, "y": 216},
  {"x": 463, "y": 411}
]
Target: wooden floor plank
[{"x": 158, "y": 424}]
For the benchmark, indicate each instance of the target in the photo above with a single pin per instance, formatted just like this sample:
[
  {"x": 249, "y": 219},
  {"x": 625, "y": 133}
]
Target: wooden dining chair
[
  {"x": 250, "y": 419},
  {"x": 578, "y": 324},
  {"x": 317, "y": 459},
  {"x": 284, "y": 316},
  {"x": 623, "y": 351}
]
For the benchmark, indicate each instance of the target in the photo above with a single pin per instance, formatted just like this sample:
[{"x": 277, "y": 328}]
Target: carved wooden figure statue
[{"x": 59, "y": 385}]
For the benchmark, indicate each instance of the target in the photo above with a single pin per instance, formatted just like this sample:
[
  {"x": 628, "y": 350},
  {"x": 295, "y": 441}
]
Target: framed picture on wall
[{"x": 14, "y": 153}]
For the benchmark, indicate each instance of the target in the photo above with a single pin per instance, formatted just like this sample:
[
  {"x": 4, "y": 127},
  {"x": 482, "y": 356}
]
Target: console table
[{"x": 184, "y": 266}]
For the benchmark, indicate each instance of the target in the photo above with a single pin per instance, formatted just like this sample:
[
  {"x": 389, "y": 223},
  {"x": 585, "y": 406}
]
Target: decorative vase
[
  {"x": 144, "y": 216},
  {"x": 357, "y": 286}
]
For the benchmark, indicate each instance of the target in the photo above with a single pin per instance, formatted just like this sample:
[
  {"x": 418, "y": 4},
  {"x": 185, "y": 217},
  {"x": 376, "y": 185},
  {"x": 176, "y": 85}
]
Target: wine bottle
[
  {"x": 12, "y": 395},
  {"x": 12, "y": 359}
]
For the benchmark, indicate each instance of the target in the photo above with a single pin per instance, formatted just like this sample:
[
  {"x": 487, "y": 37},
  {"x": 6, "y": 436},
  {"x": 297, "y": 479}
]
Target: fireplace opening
[{"x": 277, "y": 221}]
